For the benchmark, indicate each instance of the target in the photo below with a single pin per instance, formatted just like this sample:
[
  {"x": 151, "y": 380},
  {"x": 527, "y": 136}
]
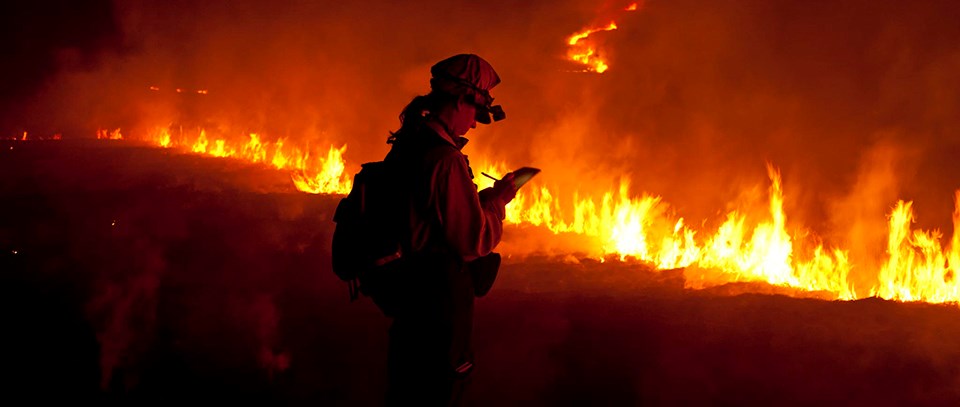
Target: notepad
[{"x": 522, "y": 175}]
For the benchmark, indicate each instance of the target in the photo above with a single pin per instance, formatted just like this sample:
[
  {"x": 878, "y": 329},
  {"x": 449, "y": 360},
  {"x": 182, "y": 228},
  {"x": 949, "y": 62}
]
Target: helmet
[{"x": 470, "y": 75}]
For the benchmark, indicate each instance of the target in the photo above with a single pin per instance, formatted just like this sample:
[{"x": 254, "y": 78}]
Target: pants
[
  {"x": 419, "y": 369},
  {"x": 429, "y": 358}
]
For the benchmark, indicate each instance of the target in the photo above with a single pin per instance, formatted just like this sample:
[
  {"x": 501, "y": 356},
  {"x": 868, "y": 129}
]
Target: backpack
[{"x": 370, "y": 222}]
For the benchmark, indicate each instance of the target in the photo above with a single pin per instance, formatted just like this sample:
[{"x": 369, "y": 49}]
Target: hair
[{"x": 421, "y": 108}]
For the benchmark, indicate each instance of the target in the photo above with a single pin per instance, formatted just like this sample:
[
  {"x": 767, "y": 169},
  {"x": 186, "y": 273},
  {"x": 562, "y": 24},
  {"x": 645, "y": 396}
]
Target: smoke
[{"x": 697, "y": 98}]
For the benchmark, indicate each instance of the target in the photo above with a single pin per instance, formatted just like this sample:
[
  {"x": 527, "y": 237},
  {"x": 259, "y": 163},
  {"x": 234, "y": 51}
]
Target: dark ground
[{"x": 136, "y": 276}]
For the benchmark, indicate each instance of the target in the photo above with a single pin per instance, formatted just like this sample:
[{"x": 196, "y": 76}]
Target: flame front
[
  {"x": 642, "y": 228},
  {"x": 312, "y": 170},
  {"x": 917, "y": 269},
  {"x": 744, "y": 247}
]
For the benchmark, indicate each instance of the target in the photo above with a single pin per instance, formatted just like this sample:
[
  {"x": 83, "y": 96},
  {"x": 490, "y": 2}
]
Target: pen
[{"x": 488, "y": 176}]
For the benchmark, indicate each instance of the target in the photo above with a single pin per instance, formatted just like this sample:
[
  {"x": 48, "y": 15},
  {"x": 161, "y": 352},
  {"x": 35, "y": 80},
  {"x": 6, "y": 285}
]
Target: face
[{"x": 464, "y": 118}]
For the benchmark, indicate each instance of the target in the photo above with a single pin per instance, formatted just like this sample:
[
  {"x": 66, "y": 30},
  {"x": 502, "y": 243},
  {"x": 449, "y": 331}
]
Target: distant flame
[
  {"x": 575, "y": 38},
  {"x": 104, "y": 134},
  {"x": 586, "y": 52},
  {"x": 312, "y": 171},
  {"x": 25, "y": 136}
]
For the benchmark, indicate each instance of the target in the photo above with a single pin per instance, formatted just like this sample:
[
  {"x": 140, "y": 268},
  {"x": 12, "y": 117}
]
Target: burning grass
[{"x": 751, "y": 244}]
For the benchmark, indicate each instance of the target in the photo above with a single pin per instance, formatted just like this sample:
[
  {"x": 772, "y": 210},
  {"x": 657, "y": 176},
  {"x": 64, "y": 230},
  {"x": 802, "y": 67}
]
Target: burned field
[{"x": 135, "y": 275}]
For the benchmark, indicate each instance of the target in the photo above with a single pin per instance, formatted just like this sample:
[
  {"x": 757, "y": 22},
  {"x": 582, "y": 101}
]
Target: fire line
[{"x": 745, "y": 247}]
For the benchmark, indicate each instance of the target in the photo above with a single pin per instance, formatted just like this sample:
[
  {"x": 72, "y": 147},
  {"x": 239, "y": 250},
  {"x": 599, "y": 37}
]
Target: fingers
[
  {"x": 506, "y": 188},
  {"x": 506, "y": 182}
]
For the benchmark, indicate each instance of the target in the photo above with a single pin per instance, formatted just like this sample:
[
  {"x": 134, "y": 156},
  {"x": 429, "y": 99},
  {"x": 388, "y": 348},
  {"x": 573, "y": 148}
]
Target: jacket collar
[{"x": 441, "y": 131}]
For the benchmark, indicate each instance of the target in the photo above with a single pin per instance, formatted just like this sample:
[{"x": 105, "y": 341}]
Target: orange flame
[
  {"x": 104, "y": 134},
  {"x": 641, "y": 228},
  {"x": 744, "y": 247},
  {"x": 312, "y": 171},
  {"x": 25, "y": 136},
  {"x": 917, "y": 267},
  {"x": 585, "y": 52}
]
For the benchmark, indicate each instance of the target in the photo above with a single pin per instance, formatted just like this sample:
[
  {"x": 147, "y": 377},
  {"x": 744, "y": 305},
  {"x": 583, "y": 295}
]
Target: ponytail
[{"x": 418, "y": 111}]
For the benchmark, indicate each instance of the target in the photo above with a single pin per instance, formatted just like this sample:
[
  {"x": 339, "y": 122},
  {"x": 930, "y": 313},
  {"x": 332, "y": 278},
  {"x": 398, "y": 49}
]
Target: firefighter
[{"x": 452, "y": 232}]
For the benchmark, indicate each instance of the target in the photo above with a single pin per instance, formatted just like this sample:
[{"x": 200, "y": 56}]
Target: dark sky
[
  {"x": 40, "y": 38},
  {"x": 855, "y": 101}
]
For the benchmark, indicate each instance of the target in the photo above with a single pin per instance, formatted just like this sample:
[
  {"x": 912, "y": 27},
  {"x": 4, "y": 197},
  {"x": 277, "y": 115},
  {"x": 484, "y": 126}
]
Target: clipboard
[
  {"x": 520, "y": 176},
  {"x": 524, "y": 174}
]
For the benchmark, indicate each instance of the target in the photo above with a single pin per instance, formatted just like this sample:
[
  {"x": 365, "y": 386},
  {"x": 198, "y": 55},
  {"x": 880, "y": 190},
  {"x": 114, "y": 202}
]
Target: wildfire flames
[
  {"x": 25, "y": 136},
  {"x": 313, "y": 170},
  {"x": 103, "y": 134},
  {"x": 745, "y": 247},
  {"x": 584, "y": 51}
]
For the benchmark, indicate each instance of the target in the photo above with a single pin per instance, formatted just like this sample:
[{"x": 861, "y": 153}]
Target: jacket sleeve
[{"x": 471, "y": 225}]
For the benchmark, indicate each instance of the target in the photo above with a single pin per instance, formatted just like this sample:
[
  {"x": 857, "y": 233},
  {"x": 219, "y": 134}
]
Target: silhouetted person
[{"x": 452, "y": 232}]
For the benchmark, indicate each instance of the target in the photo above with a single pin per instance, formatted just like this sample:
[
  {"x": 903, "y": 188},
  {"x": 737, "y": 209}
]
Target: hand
[{"x": 505, "y": 188}]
